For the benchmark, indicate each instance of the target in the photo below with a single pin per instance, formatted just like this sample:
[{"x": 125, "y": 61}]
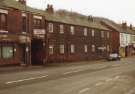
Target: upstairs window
[
  {"x": 37, "y": 23},
  {"x": 108, "y": 35},
  {"x": 50, "y": 27},
  {"x": 61, "y": 29},
  {"x": 85, "y": 48},
  {"x": 85, "y": 31},
  {"x": 72, "y": 30},
  {"x": 72, "y": 48},
  {"x": 24, "y": 24},
  {"x": 93, "y": 32},
  {"x": 102, "y": 34},
  {"x": 108, "y": 48},
  {"x": 3, "y": 18},
  {"x": 61, "y": 49},
  {"x": 3, "y": 21}
]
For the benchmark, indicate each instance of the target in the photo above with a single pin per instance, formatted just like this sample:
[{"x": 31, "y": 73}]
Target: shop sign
[
  {"x": 39, "y": 31},
  {"x": 3, "y": 31},
  {"x": 24, "y": 39}
]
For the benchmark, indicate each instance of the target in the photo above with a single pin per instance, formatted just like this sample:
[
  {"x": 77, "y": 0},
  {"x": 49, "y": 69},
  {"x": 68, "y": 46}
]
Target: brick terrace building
[{"x": 32, "y": 36}]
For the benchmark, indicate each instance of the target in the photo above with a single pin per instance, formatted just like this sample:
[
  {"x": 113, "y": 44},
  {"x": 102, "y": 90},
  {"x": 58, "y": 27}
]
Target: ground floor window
[
  {"x": 93, "y": 48},
  {"x": 7, "y": 52},
  {"x": 85, "y": 48},
  {"x": 51, "y": 48},
  {"x": 61, "y": 49},
  {"x": 108, "y": 48},
  {"x": 72, "y": 48}
]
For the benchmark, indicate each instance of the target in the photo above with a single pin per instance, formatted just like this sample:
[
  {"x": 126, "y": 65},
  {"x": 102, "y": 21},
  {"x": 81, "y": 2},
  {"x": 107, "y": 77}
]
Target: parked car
[{"x": 113, "y": 56}]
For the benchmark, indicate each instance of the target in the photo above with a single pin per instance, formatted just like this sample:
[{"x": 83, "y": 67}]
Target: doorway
[{"x": 37, "y": 52}]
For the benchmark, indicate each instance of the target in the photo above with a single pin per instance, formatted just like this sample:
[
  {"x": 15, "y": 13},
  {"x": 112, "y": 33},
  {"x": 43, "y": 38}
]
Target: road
[{"x": 116, "y": 77}]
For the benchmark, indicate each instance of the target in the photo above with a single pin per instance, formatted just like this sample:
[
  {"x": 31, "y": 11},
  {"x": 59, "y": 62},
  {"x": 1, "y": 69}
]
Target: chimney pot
[
  {"x": 131, "y": 27},
  {"x": 22, "y": 2},
  {"x": 49, "y": 8}
]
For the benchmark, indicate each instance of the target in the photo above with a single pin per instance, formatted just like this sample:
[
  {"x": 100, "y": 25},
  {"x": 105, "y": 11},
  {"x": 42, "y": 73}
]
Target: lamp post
[{"x": 26, "y": 41}]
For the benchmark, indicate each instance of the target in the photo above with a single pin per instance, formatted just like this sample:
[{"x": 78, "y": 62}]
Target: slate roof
[
  {"x": 117, "y": 27},
  {"x": 68, "y": 19}
]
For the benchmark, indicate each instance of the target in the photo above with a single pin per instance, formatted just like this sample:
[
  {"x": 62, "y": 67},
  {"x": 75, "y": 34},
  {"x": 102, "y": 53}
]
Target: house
[
  {"x": 32, "y": 36},
  {"x": 127, "y": 40},
  {"x": 122, "y": 37}
]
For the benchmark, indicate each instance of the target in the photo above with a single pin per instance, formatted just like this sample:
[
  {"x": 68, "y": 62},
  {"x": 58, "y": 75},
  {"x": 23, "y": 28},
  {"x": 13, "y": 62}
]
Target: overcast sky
[{"x": 117, "y": 10}]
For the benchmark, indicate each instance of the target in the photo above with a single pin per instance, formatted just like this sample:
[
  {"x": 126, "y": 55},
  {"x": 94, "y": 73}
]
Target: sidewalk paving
[{"x": 19, "y": 68}]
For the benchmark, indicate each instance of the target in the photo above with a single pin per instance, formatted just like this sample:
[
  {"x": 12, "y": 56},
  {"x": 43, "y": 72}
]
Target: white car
[{"x": 113, "y": 56}]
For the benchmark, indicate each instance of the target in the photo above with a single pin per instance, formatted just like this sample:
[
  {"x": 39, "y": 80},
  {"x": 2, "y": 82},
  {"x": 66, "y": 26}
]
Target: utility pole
[{"x": 26, "y": 41}]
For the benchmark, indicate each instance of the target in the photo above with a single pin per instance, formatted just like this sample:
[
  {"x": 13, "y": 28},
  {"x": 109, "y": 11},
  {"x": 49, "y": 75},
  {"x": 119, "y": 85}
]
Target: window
[
  {"x": 72, "y": 30},
  {"x": 24, "y": 24},
  {"x": 93, "y": 33},
  {"x": 72, "y": 48},
  {"x": 61, "y": 29},
  {"x": 51, "y": 49},
  {"x": 3, "y": 21},
  {"x": 37, "y": 22},
  {"x": 85, "y": 32},
  {"x": 102, "y": 34},
  {"x": 108, "y": 48},
  {"x": 3, "y": 18},
  {"x": 0, "y": 52},
  {"x": 50, "y": 27},
  {"x": 85, "y": 48},
  {"x": 61, "y": 49},
  {"x": 108, "y": 34},
  {"x": 7, "y": 52},
  {"x": 93, "y": 48}
]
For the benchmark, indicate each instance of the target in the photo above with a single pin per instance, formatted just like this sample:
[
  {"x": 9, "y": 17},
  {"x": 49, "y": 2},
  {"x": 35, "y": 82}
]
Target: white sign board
[{"x": 39, "y": 31}]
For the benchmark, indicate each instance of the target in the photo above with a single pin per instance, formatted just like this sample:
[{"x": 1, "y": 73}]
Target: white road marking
[
  {"x": 99, "y": 83},
  {"x": 22, "y": 80},
  {"x": 109, "y": 79},
  {"x": 84, "y": 90},
  {"x": 68, "y": 72},
  {"x": 116, "y": 77},
  {"x": 72, "y": 71}
]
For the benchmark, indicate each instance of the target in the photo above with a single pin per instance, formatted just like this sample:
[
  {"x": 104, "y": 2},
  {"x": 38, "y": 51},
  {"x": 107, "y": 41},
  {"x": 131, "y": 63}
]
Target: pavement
[{"x": 19, "y": 68}]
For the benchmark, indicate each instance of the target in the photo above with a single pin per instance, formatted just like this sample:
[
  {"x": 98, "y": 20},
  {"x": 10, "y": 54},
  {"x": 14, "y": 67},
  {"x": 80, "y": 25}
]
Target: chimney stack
[
  {"x": 131, "y": 27},
  {"x": 124, "y": 25},
  {"x": 50, "y": 9},
  {"x": 90, "y": 18},
  {"x": 22, "y": 2}
]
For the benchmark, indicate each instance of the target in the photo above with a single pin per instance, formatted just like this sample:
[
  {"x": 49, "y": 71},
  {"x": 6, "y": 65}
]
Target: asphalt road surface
[{"x": 116, "y": 77}]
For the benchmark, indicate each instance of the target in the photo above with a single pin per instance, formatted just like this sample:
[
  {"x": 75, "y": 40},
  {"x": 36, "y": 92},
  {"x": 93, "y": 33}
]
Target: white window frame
[
  {"x": 51, "y": 49},
  {"x": 50, "y": 27},
  {"x": 92, "y": 32},
  {"x": 85, "y": 48},
  {"x": 61, "y": 28},
  {"x": 102, "y": 34},
  {"x": 72, "y": 47},
  {"x": 7, "y": 52},
  {"x": 85, "y": 31},
  {"x": 72, "y": 30},
  {"x": 108, "y": 47},
  {"x": 108, "y": 34},
  {"x": 93, "y": 48},
  {"x": 62, "y": 49},
  {"x": 3, "y": 11}
]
